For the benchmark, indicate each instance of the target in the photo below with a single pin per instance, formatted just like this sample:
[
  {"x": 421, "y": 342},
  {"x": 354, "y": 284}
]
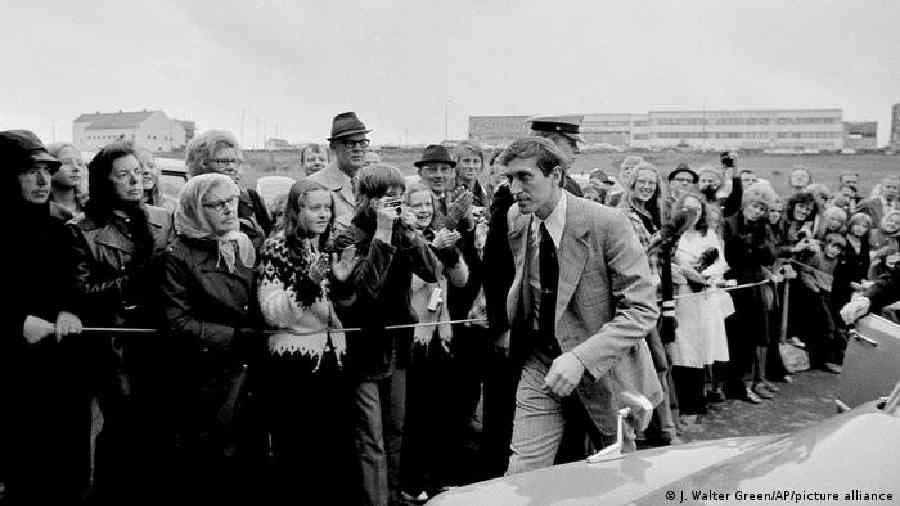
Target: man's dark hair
[{"x": 545, "y": 153}]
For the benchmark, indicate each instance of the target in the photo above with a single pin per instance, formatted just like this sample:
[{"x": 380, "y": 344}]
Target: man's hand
[
  {"x": 445, "y": 238},
  {"x": 855, "y": 309},
  {"x": 564, "y": 375},
  {"x": 385, "y": 228},
  {"x": 35, "y": 329},
  {"x": 67, "y": 323},
  {"x": 460, "y": 208}
]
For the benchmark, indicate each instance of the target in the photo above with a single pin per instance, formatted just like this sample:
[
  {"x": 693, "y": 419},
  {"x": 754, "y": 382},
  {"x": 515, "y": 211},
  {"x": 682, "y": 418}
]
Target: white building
[
  {"x": 817, "y": 129},
  {"x": 149, "y": 129},
  {"x": 775, "y": 129}
]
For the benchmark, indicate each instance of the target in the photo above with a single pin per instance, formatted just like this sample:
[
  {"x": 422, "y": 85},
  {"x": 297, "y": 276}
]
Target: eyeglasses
[
  {"x": 684, "y": 179},
  {"x": 226, "y": 161},
  {"x": 221, "y": 205},
  {"x": 350, "y": 144}
]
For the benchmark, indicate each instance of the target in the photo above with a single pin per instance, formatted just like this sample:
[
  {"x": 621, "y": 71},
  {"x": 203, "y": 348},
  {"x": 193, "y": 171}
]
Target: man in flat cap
[
  {"x": 349, "y": 143},
  {"x": 565, "y": 132}
]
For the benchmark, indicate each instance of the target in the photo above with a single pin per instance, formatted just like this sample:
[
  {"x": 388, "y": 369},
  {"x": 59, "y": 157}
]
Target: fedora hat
[
  {"x": 346, "y": 124},
  {"x": 435, "y": 153}
]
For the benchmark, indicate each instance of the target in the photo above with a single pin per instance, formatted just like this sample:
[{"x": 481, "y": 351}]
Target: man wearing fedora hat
[
  {"x": 437, "y": 170},
  {"x": 349, "y": 143},
  {"x": 565, "y": 132}
]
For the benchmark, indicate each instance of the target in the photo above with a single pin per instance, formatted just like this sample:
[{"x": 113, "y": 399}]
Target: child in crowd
[{"x": 428, "y": 411}]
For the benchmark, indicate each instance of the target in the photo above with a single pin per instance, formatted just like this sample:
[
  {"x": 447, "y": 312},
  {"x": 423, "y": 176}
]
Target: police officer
[{"x": 565, "y": 132}]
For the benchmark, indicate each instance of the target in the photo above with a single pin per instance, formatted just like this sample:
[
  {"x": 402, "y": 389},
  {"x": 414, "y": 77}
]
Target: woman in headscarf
[
  {"x": 208, "y": 298},
  {"x": 307, "y": 393},
  {"x": 644, "y": 204},
  {"x": 46, "y": 419},
  {"x": 115, "y": 249}
]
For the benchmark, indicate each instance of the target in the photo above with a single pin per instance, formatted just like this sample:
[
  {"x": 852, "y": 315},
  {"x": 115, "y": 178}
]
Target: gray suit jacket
[{"x": 605, "y": 305}]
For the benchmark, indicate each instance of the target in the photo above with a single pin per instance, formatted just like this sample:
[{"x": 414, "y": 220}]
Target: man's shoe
[
  {"x": 759, "y": 390},
  {"x": 796, "y": 342},
  {"x": 750, "y": 397},
  {"x": 833, "y": 368},
  {"x": 715, "y": 396},
  {"x": 769, "y": 386}
]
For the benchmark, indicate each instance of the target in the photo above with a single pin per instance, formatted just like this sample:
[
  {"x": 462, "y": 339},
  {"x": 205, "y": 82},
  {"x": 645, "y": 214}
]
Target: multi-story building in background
[
  {"x": 149, "y": 129},
  {"x": 895, "y": 127},
  {"x": 774, "y": 129},
  {"x": 497, "y": 130},
  {"x": 860, "y": 135}
]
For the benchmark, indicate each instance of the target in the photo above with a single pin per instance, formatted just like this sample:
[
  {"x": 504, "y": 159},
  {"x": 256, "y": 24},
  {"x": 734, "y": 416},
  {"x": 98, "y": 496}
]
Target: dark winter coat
[{"x": 381, "y": 284}]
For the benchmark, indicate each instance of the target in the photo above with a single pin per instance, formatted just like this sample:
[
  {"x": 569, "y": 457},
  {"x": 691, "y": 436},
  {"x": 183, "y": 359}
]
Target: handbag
[{"x": 795, "y": 359}]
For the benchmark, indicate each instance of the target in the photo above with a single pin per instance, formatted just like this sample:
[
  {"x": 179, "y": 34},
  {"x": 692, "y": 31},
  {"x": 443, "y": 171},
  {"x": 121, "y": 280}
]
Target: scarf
[{"x": 191, "y": 221}]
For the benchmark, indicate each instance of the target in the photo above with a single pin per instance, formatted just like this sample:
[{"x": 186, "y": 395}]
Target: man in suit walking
[{"x": 579, "y": 307}]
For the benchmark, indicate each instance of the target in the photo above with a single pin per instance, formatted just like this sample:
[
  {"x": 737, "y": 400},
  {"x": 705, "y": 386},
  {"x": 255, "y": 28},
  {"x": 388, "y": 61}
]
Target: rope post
[{"x": 784, "y": 310}]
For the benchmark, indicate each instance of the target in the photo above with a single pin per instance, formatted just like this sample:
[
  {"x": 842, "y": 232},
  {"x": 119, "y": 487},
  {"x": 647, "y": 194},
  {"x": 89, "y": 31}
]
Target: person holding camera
[{"x": 390, "y": 251}]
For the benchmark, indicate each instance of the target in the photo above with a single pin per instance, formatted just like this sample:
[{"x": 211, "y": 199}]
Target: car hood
[{"x": 845, "y": 452}]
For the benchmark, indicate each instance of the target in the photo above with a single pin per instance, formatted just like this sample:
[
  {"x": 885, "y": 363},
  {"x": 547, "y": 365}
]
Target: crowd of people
[{"x": 379, "y": 338}]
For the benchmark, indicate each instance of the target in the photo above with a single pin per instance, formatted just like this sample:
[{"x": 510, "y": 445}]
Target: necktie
[
  {"x": 354, "y": 187},
  {"x": 549, "y": 279}
]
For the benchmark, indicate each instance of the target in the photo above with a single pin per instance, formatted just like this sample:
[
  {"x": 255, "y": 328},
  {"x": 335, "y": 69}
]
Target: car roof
[{"x": 270, "y": 187}]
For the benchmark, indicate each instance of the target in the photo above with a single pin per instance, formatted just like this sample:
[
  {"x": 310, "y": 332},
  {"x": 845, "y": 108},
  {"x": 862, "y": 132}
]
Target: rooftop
[{"x": 114, "y": 120}]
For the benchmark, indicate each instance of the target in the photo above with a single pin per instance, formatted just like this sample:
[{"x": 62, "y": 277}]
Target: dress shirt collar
[{"x": 554, "y": 223}]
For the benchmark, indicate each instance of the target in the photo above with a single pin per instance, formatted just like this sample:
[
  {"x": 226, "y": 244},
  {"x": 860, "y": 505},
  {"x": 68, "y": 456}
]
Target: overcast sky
[{"x": 400, "y": 64}]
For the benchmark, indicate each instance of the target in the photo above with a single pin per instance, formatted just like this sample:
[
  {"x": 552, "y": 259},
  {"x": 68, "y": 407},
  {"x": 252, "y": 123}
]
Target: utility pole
[{"x": 446, "y": 105}]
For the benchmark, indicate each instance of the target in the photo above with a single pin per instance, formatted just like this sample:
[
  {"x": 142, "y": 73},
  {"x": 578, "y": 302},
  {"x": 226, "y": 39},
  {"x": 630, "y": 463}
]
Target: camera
[
  {"x": 727, "y": 159},
  {"x": 392, "y": 202}
]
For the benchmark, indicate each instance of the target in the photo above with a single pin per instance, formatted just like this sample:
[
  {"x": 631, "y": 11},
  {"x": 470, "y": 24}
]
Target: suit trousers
[
  {"x": 546, "y": 425},
  {"x": 380, "y": 410}
]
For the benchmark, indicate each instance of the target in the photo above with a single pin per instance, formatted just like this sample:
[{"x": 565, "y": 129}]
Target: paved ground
[{"x": 805, "y": 402}]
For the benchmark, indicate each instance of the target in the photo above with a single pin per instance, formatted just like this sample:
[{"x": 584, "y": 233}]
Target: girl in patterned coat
[{"x": 307, "y": 393}]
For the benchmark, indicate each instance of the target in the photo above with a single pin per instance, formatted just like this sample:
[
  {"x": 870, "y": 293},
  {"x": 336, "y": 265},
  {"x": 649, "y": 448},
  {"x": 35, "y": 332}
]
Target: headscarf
[{"x": 191, "y": 220}]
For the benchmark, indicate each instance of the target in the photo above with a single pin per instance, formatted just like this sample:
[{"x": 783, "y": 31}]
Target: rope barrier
[{"x": 127, "y": 330}]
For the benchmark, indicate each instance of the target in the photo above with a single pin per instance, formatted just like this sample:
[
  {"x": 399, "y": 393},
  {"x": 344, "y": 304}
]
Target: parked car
[
  {"x": 871, "y": 362},
  {"x": 851, "y": 455},
  {"x": 271, "y": 187},
  {"x": 172, "y": 175}
]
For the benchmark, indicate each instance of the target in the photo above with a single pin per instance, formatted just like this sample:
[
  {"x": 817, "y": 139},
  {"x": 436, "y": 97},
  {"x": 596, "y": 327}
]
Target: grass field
[{"x": 825, "y": 168}]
